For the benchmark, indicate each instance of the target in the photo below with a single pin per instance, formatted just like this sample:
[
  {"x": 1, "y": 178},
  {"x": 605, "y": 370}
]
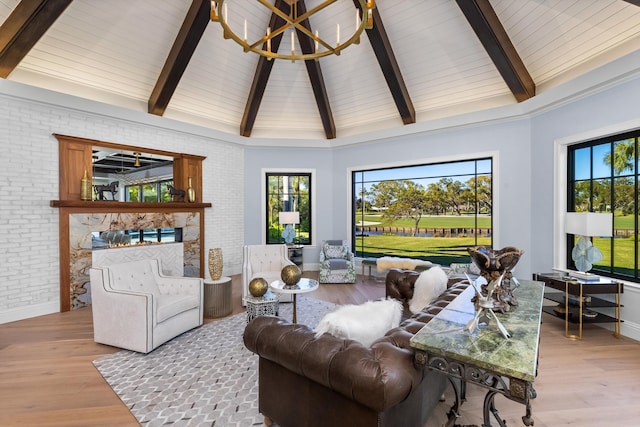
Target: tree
[
  {"x": 400, "y": 199},
  {"x": 448, "y": 195},
  {"x": 480, "y": 190},
  {"x": 411, "y": 203},
  {"x": 623, "y": 156},
  {"x": 385, "y": 193}
]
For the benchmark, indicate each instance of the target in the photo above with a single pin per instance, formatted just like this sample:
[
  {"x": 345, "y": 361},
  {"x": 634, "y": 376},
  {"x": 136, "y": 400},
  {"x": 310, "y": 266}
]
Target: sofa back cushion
[
  {"x": 335, "y": 249},
  {"x": 136, "y": 276}
]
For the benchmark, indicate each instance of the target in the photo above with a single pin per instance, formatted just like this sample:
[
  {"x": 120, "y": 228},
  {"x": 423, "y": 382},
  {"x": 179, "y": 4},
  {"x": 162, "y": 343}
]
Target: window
[
  {"x": 603, "y": 177},
  {"x": 288, "y": 192},
  {"x": 430, "y": 211}
]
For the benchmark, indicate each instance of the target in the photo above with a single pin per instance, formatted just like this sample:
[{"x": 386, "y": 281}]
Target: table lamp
[
  {"x": 289, "y": 218},
  {"x": 586, "y": 225}
]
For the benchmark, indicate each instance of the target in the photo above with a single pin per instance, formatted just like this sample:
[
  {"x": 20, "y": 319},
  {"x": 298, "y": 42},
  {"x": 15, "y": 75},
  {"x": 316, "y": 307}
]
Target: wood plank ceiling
[{"x": 452, "y": 56}]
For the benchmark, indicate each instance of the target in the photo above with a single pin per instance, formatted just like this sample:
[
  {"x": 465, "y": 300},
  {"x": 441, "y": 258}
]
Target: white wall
[
  {"x": 259, "y": 160},
  {"x": 608, "y": 112},
  {"x": 29, "y": 251}
]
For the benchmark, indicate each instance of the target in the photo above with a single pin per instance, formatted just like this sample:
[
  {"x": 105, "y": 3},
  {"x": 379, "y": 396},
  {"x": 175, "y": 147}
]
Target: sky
[{"x": 426, "y": 174}]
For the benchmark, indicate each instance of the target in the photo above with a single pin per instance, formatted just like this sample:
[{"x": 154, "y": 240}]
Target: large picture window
[
  {"x": 603, "y": 177},
  {"x": 288, "y": 193},
  {"x": 428, "y": 211}
]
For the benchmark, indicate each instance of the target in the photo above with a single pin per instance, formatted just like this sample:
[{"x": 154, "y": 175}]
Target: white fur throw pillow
[
  {"x": 428, "y": 286},
  {"x": 364, "y": 323}
]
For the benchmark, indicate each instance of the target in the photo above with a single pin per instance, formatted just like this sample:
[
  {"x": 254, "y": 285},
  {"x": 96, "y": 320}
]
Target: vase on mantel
[
  {"x": 191, "y": 193},
  {"x": 215, "y": 263}
]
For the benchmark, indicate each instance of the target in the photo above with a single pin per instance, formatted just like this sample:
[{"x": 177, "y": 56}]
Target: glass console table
[{"x": 485, "y": 357}]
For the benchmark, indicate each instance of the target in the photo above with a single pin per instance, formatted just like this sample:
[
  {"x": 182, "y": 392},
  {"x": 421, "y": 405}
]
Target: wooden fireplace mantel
[{"x": 120, "y": 206}]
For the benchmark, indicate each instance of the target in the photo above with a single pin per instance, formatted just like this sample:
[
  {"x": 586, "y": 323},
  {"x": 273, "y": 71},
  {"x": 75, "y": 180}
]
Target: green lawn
[
  {"x": 444, "y": 250},
  {"x": 441, "y": 250}
]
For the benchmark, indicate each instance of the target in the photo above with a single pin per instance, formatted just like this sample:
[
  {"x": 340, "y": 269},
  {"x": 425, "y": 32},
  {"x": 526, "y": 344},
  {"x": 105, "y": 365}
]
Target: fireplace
[{"x": 81, "y": 221}]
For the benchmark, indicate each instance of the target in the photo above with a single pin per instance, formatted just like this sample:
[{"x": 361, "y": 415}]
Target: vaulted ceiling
[{"x": 423, "y": 60}]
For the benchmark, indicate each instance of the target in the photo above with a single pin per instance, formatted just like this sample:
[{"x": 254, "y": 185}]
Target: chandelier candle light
[
  {"x": 295, "y": 20},
  {"x": 584, "y": 254}
]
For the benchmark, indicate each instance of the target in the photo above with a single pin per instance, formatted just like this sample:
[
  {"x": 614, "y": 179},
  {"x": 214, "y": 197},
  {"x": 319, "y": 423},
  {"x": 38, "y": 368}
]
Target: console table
[
  {"x": 485, "y": 357},
  {"x": 576, "y": 300}
]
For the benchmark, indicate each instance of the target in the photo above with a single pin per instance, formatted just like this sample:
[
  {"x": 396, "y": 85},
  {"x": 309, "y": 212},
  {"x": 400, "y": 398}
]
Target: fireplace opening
[{"x": 112, "y": 239}]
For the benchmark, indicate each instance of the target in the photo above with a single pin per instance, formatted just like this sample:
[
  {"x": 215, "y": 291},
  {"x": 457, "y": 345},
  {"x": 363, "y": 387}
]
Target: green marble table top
[{"x": 487, "y": 348}]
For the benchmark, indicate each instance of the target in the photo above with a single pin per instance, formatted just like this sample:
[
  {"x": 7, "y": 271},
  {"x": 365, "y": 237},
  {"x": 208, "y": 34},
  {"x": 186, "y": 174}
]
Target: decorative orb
[
  {"x": 291, "y": 275},
  {"x": 258, "y": 287}
]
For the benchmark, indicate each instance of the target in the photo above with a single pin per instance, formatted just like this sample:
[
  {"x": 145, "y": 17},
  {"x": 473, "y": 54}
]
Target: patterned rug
[{"x": 204, "y": 377}]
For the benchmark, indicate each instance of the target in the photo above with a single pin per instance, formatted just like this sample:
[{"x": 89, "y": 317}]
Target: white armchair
[
  {"x": 266, "y": 261},
  {"x": 137, "y": 308}
]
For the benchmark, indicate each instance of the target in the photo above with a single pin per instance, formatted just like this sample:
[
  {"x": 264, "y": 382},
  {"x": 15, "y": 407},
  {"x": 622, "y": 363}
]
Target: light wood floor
[{"x": 47, "y": 378}]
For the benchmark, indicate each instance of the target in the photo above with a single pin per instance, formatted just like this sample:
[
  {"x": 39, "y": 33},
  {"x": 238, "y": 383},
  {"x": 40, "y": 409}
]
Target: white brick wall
[{"x": 29, "y": 251}]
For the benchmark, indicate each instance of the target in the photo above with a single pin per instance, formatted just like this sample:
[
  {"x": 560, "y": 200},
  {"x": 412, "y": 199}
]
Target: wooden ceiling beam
[
  {"x": 193, "y": 26},
  {"x": 261, "y": 76},
  {"x": 390, "y": 68},
  {"x": 315, "y": 76},
  {"x": 635, "y": 2},
  {"x": 485, "y": 23},
  {"x": 23, "y": 28}
]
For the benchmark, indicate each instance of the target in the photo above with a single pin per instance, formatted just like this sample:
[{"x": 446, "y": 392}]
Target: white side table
[
  {"x": 304, "y": 285},
  {"x": 217, "y": 297},
  {"x": 266, "y": 305}
]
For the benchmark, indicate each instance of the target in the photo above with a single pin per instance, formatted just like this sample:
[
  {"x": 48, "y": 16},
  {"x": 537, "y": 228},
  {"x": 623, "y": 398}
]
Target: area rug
[{"x": 204, "y": 377}]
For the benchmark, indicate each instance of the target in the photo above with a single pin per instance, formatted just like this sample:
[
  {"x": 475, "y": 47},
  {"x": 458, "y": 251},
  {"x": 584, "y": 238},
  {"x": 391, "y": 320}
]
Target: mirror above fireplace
[{"x": 106, "y": 163}]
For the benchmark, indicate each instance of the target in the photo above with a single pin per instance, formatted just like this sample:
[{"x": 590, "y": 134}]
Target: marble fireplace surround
[{"x": 79, "y": 219}]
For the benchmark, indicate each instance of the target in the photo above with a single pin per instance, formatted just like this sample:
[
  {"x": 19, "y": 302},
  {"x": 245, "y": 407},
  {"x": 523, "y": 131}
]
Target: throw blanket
[{"x": 386, "y": 262}]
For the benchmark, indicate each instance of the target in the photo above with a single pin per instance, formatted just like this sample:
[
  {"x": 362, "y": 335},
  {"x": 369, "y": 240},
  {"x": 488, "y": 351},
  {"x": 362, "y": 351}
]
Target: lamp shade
[
  {"x": 289, "y": 217},
  {"x": 588, "y": 224}
]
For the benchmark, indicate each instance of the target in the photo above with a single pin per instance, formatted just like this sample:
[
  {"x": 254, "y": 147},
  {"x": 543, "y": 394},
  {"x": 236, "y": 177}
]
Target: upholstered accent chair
[
  {"x": 337, "y": 264},
  {"x": 266, "y": 261},
  {"x": 138, "y": 308}
]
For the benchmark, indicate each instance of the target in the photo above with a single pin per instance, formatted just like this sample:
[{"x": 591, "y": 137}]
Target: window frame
[
  {"x": 609, "y": 270},
  {"x": 560, "y": 161},
  {"x": 492, "y": 156},
  {"x": 264, "y": 173}
]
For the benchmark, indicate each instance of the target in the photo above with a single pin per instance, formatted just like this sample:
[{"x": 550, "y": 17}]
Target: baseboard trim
[{"x": 21, "y": 313}]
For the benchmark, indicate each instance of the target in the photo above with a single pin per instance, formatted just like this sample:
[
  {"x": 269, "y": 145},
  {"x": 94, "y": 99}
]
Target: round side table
[
  {"x": 304, "y": 285},
  {"x": 217, "y": 297}
]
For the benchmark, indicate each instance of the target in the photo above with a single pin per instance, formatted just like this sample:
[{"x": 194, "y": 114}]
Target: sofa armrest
[
  {"x": 117, "y": 310},
  {"x": 378, "y": 377}
]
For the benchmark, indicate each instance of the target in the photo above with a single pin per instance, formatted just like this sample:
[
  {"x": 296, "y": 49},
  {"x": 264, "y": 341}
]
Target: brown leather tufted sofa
[{"x": 311, "y": 382}]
